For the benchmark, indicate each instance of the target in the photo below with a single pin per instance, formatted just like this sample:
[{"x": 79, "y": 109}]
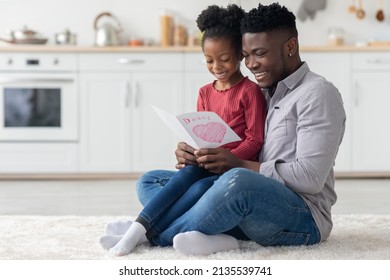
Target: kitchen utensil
[
  {"x": 309, "y": 8},
  {"x": 352, "y": 7},
  {"x": 380, "y": 15},
  {"x": 24, "y": 36},
  {"x": 65, "y": 38},
  {"x": 107, "y": 34},
  {"x": 359, "y": 11}
]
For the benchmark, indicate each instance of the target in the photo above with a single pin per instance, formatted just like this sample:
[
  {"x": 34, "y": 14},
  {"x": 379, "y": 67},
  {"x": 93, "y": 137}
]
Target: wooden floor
[{"x": 118, "y": 197}]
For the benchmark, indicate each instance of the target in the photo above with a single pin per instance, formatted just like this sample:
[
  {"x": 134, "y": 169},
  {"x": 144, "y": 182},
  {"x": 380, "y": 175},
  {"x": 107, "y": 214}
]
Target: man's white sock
[
  {"x": 117, "y": 228},
  {"x": 197, "y": 243},
  {"x": 134, "y": 235}
]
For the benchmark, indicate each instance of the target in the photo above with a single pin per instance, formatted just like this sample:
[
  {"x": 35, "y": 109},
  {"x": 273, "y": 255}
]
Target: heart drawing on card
[{"x": 210, "y": 132}]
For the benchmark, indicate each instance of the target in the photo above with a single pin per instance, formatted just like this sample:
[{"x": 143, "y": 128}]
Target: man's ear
[{"x": 291, "y": 46}]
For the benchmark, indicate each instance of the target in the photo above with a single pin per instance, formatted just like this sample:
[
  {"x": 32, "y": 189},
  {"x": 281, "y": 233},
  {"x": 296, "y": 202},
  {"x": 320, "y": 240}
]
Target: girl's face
[{"x": 222, "y": 61}]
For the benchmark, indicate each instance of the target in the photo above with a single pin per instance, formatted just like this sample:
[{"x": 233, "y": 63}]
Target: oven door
[{"x": 38, "y": 107}]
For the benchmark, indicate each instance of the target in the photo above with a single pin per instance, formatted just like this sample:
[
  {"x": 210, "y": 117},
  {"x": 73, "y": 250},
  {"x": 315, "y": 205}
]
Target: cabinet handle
[
  {"x": 127, "y": 93},
  {"x": 135, "y": 94},
  {"x": 130, "y": 61},
  {"x": 378, "y": 61}
]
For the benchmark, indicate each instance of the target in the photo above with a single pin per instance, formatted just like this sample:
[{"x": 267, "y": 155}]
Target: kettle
[{"x": 107, "y": 34}]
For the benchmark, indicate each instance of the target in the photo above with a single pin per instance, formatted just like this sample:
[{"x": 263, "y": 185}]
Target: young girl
[{"x": 236, "y": 99}]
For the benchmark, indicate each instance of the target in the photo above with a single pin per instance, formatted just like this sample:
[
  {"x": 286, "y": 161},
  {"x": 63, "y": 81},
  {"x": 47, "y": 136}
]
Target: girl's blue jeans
[
  {"x": 241, "y": 203},
  {"x": 178, "y": 195}
]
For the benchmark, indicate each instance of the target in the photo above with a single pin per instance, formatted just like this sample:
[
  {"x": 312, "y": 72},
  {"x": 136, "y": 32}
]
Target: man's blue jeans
[{"x": 242, "y": 203}]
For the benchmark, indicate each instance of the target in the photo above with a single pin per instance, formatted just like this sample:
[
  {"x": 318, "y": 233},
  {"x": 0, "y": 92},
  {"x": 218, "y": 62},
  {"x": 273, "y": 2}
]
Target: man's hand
[{"x": 185, "y": 155}]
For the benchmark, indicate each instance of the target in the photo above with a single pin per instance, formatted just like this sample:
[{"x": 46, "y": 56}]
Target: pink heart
[{"x": 210, "y": 132}]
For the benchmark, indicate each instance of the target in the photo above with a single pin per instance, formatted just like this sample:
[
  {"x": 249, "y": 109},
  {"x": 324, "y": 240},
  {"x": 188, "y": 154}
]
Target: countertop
[{"x": 92, "y": 49}]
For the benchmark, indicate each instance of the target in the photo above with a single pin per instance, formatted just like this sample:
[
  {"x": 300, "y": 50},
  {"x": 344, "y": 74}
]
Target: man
[{"x": 286, "y": 197}]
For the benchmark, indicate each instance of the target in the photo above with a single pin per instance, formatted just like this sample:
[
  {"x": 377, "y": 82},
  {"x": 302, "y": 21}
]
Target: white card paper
[{"x": 199, "y": 129}]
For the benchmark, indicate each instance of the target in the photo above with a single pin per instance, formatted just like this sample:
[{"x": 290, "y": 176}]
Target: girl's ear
[{"x": 241, "y": 57}]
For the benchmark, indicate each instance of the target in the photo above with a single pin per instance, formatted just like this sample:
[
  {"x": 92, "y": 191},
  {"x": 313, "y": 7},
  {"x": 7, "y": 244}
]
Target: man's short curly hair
[
  {"x": 268, "y": 19},
  {"x": 218, "y": 22}
]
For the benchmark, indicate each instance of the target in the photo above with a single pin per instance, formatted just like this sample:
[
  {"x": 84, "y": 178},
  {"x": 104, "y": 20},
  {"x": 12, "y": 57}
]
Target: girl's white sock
[
  {"x": 117, "y": 228},
  {"x": 197, "y": 243},
  {"x": 108, "y": 241},
  {"x": 134, "y": 235}
]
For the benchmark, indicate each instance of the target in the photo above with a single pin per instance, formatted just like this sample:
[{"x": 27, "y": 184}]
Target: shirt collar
[
  {"x": 292, "y": 80},
  {"x": 285, "y": 86}
]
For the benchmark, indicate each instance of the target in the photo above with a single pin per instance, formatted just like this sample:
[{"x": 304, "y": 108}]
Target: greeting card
[{"x": 199, "y": 129}]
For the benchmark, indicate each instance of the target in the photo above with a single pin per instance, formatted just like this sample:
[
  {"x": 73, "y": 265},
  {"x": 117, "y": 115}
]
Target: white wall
[{"x": 140, "y": 18}]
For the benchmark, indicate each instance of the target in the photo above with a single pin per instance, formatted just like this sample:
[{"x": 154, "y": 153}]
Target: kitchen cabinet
[
  {"x": 362, "y": 81},
  {"x": 38, "y": 157},
  {"x": 117, "y": 131},
  {"x": 335, "y": 67},
  {"x": 196, "y": 76},
  {"x": 153, "y": 142},
  {"x": 370, "y": 112},
  {"x": 120, "y": 130},
  {"x": 104, "y": 122}
]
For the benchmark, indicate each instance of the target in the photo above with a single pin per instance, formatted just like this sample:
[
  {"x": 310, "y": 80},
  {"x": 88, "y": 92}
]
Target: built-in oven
[
  {"x": 39, "y": 113},
  {"x": 38, "y": 97}
]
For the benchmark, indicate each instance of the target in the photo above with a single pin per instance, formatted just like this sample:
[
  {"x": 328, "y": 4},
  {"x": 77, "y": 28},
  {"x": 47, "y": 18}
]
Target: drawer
[
  {"x": 371, "y": 61},
  {"x": 132, "y": 62}
]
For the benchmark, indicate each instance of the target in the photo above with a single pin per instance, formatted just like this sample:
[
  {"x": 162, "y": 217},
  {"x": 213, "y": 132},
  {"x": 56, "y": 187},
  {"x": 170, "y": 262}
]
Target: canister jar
[
  {"x": 336, "y": 36},
  {"x": 166, "y": 24}
]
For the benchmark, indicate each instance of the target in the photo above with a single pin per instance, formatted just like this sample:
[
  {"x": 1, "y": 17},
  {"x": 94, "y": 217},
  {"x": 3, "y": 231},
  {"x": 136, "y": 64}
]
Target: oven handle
[{"x": 43, "y": 80}]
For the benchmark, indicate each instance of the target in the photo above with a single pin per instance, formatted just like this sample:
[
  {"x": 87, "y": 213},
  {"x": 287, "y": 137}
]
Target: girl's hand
[
  {"x": 217, "y": 160},
  {"x": 185, "y": 155}
]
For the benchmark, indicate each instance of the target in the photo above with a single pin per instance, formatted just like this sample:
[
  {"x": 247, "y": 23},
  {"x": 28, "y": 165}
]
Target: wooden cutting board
[{"x": 379, "y": 43}]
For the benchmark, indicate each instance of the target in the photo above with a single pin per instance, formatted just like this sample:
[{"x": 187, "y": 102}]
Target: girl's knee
[
  {"x": 155, "y": 177},
  {"x": 145, "y": 180},
  {"x": 150, "y": 182}
]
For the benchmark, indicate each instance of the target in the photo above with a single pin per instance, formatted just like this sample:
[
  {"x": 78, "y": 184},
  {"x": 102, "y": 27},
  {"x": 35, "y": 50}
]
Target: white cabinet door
[
  {"x": 153, "y": 142},
  {"x": 196, "y": 75},
  {"x": 371, "y": 133},
  {"x": 336, "y": 68},
  {"x": 105, "y": 122},
  {"x": 193, "y": 81},
  {"x": 120, "y": 131}
]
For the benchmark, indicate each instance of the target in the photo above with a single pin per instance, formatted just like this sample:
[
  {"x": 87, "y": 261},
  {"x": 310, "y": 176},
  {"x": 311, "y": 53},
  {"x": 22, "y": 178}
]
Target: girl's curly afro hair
[{"x": 219, "y": 22}]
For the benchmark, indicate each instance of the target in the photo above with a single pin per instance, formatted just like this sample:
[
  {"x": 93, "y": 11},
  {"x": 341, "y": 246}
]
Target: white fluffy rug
[{"x": 365, "y": 237}]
